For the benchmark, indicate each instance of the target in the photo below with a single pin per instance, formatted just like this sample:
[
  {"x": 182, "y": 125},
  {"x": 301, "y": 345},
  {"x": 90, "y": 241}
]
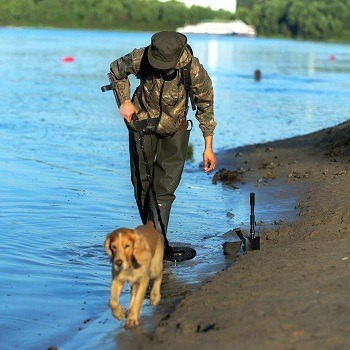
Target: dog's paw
[
  {"x": 154, "y": 299},
  {"x": 131, "y": 322},
  {"x": 118, "y": 312},
  {"x": 132, "y": 318}
]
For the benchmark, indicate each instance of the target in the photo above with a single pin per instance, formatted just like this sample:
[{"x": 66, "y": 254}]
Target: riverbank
[{"x": 293, "y": 293}]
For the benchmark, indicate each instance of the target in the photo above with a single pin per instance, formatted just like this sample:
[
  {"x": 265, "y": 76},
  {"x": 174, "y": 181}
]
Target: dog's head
[{"x": 126, "y": 248}]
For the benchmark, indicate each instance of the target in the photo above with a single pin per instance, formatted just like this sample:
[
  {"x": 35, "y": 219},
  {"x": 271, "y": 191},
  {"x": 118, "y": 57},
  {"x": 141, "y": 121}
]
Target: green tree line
[
  {"x": 104, "y": 14},
  {"x": 301, "y": 19}
]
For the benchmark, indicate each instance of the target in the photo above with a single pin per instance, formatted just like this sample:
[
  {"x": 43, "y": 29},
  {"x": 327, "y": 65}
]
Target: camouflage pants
[{"x": 166, "y": 158}]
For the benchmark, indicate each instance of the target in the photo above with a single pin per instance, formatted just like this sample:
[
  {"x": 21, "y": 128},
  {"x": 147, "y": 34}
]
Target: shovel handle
[
  {"x": 252, "y": 215},
  {"x": 252, "y": 199},
  {"x": 254, "y": 241}
]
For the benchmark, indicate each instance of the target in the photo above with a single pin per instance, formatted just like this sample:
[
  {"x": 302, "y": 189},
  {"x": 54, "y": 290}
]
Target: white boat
[{"x": 236, "y": 27}]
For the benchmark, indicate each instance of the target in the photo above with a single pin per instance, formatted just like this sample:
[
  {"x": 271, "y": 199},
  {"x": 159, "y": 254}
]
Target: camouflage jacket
[{"x": 159, "y": 97}]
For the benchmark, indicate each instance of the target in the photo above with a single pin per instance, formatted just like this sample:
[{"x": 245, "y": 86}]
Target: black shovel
[
  {"x": 253, "y": 240},
  {"x": 247, "y": 242},
  {"x": 144, "y": 126}
]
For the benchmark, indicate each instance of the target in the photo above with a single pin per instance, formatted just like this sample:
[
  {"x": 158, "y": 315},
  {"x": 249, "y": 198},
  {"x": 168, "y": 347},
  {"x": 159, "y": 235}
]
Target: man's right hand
[{"x": 127, "y": 110}]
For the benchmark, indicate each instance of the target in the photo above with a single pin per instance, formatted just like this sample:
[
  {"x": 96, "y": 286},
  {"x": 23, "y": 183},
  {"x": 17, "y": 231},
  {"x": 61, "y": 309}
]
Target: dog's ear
[
  {"x": 142, "y": 252},
  {"x": 107, "y": 245}
]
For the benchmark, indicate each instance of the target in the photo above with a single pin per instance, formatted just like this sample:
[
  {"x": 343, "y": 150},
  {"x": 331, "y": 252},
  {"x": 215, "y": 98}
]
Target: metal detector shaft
[
  {"x": 170, "y": 253},
  {"x": 150, "y": 180},
  {"x": 140, "y": 126}
]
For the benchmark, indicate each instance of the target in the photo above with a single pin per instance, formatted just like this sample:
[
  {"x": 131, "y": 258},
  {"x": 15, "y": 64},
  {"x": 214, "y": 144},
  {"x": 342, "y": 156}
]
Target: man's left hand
[{"x": 209, "y": 160}]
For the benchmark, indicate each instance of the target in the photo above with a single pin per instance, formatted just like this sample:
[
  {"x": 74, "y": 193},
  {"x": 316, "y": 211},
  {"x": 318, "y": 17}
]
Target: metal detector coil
[{"x": 175, "y": 254}]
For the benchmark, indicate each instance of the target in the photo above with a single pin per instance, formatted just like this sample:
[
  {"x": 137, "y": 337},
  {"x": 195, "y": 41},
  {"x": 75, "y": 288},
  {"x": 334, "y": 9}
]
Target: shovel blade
[
  {"x": 252, "y": 243},
  {"x": 255, "y": 243}
]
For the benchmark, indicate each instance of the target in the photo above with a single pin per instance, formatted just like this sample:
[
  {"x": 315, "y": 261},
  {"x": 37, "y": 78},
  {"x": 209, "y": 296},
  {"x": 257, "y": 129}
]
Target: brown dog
[{"x": 137, "y": 258}]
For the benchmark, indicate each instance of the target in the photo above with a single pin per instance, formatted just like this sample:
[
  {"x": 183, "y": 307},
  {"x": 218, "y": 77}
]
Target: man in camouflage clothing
[{"x": 162, "y": 95}]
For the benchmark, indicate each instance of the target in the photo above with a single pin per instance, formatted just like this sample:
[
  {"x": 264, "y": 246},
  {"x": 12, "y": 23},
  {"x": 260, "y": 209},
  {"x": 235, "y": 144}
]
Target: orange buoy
[
  {"x": 67, "y": 59},
  {"x": 332, "y": 58}
]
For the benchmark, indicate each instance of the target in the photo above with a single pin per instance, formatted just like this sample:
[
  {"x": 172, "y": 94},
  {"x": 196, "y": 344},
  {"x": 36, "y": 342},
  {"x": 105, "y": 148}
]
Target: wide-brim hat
[{"x": 166, "y": 49}]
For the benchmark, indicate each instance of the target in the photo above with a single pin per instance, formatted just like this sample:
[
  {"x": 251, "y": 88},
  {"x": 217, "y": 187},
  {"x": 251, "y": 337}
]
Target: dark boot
[{"x": 164, "y": 211}]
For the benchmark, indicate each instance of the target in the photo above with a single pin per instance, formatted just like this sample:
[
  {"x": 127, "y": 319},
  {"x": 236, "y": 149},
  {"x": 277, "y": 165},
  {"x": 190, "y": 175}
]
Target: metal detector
[{"x": 142, "y": 126}]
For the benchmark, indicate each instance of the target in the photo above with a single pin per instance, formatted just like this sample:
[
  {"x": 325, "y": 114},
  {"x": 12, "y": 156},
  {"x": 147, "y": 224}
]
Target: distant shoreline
[{"x": 276, "y": 37}]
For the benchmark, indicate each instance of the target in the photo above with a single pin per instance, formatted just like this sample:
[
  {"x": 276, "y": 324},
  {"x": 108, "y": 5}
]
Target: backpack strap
[
  {"x": 186, "y": 79},
  {"x": 186, "y": 76}
]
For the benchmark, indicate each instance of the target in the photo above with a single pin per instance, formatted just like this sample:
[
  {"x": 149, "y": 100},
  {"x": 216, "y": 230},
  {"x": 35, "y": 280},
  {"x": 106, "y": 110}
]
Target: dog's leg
[
  {"x": 133, "y": 293},
  {"x": 157, "y": 276},
  {"x": 116, "y": 308},
  {"x": 135, "y": 309},
  {"x": 155, "y": 291}
]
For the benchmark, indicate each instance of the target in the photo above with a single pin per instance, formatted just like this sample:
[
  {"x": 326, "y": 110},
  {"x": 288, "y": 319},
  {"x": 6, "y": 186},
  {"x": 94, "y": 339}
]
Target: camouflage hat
[{"x": 166, "y": 49}]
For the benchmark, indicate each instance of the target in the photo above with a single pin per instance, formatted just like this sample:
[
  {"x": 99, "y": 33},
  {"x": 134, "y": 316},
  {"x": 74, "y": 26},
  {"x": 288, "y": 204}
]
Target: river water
[{"x": 65, "y": 178}]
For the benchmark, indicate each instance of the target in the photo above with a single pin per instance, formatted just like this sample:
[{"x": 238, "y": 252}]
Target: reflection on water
[{"x": 65, "y": 179}]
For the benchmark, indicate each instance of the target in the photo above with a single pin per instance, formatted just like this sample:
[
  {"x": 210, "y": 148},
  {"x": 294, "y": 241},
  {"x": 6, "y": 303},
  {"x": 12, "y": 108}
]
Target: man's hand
[
  {"x": 209, "y": 159},
  {"x": 127, "y": 110}
]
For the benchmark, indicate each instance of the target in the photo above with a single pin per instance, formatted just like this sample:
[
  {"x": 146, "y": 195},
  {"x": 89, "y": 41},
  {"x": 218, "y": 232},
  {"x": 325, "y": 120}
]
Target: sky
[{"x": 228, "y": 5}]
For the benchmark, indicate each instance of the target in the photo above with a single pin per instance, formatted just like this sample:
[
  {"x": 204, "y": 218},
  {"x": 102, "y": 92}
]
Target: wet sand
[{"x": 293, "y": 292}]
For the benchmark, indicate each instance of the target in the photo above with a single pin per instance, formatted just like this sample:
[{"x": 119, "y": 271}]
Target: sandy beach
[{"x": 293, "y": 292}]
